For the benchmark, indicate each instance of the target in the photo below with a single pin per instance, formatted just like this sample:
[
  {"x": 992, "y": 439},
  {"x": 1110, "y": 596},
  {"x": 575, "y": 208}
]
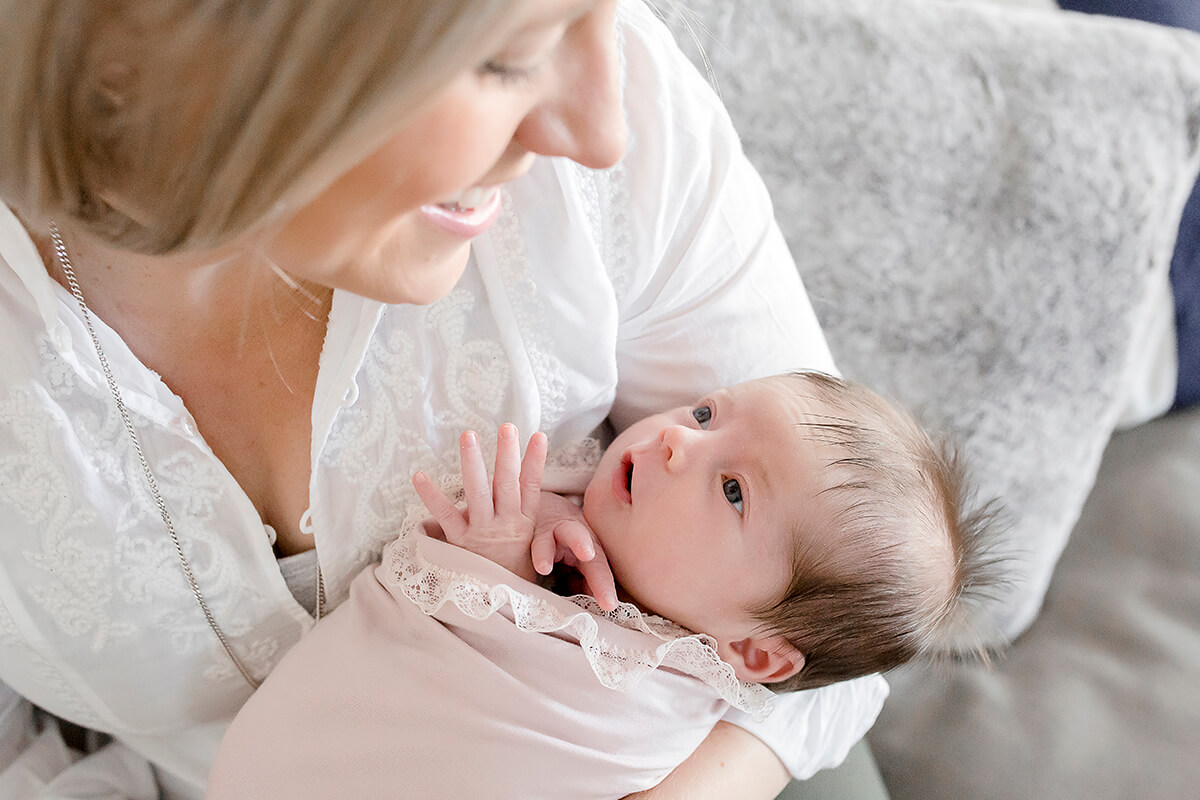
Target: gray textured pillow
[{"x": 977, "y": 199}]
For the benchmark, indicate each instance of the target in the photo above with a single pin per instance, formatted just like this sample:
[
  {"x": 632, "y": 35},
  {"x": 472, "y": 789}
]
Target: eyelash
[
  {"x": 505, "y": 73},
  {"x": 731, "y": 488}
]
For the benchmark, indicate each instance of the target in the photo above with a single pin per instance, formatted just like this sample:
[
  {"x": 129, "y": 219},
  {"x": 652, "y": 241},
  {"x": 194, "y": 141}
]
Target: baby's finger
[
  {"x": 576, "y": 538},
  {"x": 542, "y": 551},
  {"x": 600, "y": 580},
  {"x": 444, "y": 512},
  {"x": 532, "y": 468},
  {"x": 506, "y": 490},
  {"x": 476, "y": 486}
]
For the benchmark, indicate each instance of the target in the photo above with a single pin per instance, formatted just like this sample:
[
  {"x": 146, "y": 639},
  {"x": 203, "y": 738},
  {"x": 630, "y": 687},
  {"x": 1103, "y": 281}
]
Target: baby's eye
[
  {"x": 733, "y": 493},
  {"x": 702, "y": 414}
]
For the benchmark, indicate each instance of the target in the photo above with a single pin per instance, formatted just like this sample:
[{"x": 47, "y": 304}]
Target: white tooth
[{"x": 473, "y": 198}]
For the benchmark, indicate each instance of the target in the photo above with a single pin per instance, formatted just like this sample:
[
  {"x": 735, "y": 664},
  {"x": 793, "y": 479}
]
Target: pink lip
[
  {"x": 464, "y": 223},
  {"x": 620, "y": 474}
]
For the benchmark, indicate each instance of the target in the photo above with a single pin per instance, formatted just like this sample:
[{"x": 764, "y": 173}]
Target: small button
[
  {"x": 187, "y": 425},
  {"x": 271, "y": 535},
  {"x": 61, "y": 338},
  {"x": 351, "y": 396},
  {"x": 306, "y": 523}
]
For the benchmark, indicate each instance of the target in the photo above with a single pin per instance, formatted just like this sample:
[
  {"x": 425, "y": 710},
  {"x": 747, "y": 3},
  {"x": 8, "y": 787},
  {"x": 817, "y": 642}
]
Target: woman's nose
[{"x": 582, "y": 118}]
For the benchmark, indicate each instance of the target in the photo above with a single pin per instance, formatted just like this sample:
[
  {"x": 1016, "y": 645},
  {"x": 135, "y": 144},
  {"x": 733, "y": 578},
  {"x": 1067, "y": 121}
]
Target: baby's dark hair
[{"x": 897, "y": 560}]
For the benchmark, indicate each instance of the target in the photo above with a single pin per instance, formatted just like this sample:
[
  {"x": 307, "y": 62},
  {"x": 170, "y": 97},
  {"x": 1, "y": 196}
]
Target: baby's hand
[
  {"x": 498, "y": 523},
  {"x": 563, "y": 535}
]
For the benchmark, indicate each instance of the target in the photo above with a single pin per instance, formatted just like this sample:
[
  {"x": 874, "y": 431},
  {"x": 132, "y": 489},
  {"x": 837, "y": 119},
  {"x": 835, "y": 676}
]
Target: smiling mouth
[
  {"x": 471, "y": 199},
  {"x": 462, "y": 220}
]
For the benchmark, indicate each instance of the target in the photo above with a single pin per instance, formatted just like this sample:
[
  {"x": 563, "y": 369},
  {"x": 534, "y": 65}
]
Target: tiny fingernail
[
  {"x": 508, "y": 430},
  {"x": 468, "y": 439},
  {"x": 420, "y": 477}
]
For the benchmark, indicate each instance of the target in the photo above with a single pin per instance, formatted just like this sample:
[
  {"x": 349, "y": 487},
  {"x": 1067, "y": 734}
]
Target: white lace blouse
[{"x": 597, "y": 294}]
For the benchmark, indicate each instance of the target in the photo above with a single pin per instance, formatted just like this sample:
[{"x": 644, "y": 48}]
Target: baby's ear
[{"x": 767, "y": 659}]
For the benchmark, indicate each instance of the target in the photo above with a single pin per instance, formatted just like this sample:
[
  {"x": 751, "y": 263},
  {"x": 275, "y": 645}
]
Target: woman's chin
[{"x": 426, "y": 284}]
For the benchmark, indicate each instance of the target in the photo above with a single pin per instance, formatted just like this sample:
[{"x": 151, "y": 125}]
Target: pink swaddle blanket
[{"x": 383, "y": 699}]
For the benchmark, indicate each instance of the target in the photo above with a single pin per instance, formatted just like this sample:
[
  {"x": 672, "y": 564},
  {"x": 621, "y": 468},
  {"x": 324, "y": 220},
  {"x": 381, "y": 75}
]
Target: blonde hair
[
  {"x": 162, "y": 125},
  {"x": 903, "y": 557}
]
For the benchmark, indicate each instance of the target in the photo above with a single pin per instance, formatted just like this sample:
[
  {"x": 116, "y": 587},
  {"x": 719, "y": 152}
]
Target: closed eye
[
  {"x": 506, "y": 73},
  {"x": 733, "y": 493}
]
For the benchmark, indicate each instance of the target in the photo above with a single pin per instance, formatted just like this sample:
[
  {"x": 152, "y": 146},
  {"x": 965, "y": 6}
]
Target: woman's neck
[
  {"x": 238, "y": 344},
  {"x": 227, "y": 302}
]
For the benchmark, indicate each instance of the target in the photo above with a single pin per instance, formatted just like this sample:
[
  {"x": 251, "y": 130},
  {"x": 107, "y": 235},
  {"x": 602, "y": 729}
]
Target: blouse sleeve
[
  {"x": 814, "y": 730},
  {"x": 35, "y": 763},
  {"x": 710, "y": 296},
  {"x": 708, "y": 293}
]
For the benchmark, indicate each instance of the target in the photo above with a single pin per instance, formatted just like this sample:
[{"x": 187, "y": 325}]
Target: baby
[
  {"x": 809, "y": 530},
  {"x": 809, "y": 527}
]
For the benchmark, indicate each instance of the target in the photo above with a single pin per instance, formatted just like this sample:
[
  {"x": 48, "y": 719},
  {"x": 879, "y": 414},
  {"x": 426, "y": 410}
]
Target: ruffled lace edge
[{"x": 431, "y": 586}]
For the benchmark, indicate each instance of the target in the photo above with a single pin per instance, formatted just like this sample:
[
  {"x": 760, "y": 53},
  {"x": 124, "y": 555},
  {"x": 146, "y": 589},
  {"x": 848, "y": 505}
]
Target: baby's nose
[{"x": 676, "y": 441}]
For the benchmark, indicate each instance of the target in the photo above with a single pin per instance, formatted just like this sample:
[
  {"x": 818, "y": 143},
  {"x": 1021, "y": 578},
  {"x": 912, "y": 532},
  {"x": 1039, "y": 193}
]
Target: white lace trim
[{"x": 430, "y": 586}]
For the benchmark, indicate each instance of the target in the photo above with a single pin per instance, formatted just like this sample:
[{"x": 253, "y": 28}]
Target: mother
[{"x": 252, "y": 203}]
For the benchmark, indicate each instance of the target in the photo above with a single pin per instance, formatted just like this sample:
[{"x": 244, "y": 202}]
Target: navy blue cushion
[
  {"x": 1179, "y": 13},
  {"x": 1185, "y": 280},
  {"x": 1185, "y": 265}
]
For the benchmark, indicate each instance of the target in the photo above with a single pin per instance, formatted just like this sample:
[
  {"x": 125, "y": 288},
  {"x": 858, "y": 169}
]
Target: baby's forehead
[
  {"x": 789, "y": 404},
  {"x": 799, "y": 432},
  {"x": 781, "y": 418}
]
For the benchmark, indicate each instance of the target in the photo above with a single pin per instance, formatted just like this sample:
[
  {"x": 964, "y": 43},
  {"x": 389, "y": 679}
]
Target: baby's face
[{"x": 697, "y": 507}]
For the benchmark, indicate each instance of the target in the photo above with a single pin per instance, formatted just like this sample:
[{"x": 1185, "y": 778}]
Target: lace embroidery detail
[
  {"x": 477, "y": 371},
  {"x": 96, "y": 572},
  {"x": 430, "y": 586},
  {"x": 73, "y": 706},
  {"x": 79, "y": 592},
  {"x": 605, "y": 194},
  {"x": 385, "y": 441},
  {"x": 394, "y": 435},
  {"x": 80, "y": 596},
  {"x": 526, "y": 303}
]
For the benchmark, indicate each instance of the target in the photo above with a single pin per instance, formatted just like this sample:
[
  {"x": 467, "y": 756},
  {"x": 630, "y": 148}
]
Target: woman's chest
[
  {"x": 93, "y": 602},
  {"x": 255, "y": 415}
]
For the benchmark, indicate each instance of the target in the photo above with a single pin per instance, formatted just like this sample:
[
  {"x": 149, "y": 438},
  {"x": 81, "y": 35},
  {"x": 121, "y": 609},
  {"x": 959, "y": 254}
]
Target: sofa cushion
[
  {"x": 1100, "y": 699},
  {"x": 1185, "y": 266},
  {"x": 979, "y": 200}
]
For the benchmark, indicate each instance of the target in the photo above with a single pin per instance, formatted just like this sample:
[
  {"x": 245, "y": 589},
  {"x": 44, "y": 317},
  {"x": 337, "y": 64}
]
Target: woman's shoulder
[{"x": 664, "y": 92}]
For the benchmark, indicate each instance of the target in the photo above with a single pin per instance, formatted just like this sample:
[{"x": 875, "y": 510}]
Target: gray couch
[
  {"x": 983, "y": 201},
  {"x": 1100, "y": 698}
]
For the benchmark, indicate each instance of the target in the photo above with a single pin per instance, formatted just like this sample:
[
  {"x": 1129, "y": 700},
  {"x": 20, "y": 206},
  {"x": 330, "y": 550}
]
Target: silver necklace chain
[{"x": 64, "y": 261}]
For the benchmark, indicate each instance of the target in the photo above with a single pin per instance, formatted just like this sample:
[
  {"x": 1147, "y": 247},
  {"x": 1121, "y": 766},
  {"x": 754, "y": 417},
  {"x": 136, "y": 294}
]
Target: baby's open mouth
[{"x": 622, "y": 480}]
